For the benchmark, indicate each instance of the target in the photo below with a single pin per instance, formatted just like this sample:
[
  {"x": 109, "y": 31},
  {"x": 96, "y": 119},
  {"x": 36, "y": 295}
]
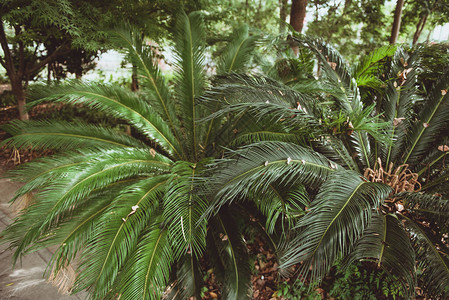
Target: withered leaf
[
  {"x": 397, "y": 121},
  {"x": 443, "y": 148}
]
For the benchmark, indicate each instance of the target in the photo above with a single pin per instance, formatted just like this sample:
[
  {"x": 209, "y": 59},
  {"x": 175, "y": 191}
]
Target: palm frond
[
  {"x": 432, "y": 258},
  {"x": 189, "y": 279},
  {"x": 116, "y": 102},
  {"x": 434, "y": 208},
  {"x": 369, "y": 65},
  {"x": 233, "y": 255},
  {"x": 56, "y": 200},
  {"x": 338, "y": 215},
  {"x": 257, "y": 166},
  {"x": 117, "y": 235},
  {"x": 432, "y": 121},
  {"x": 334, "y": 71},
  {"x": 386, "y": 243},
  {"x": 281, "y": 207},
  {"x": 239, "y": 88},
  {"x": 238, "y": 52},
  {"x": 183, "y": 208},
  {"x": 38, "y": 173},
  {"x": 146, "y": 273},
  {"x": 150, "y": 75},
  {"x": 335, "y": 150},
  {"x": 65, "y": 136},
  {"x": 400, "y": 95},
  {"x": 189, "y": 51}
]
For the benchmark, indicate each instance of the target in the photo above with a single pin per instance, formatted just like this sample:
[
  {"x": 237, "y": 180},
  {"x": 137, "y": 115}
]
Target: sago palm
[
  {"x": 363, "y": 148},
  {"x": 123, "y": 209}
]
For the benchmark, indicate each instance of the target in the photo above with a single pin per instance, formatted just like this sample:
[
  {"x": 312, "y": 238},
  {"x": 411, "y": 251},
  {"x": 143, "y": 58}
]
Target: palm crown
[
  {"x": 365, "y": 151},
  {"x": 125, "y": 207}
]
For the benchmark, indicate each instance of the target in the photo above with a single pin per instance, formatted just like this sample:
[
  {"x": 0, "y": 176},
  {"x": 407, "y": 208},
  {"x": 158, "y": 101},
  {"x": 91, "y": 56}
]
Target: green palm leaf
[
  {"x": 147, "y": 271},
  {"x": 397, "y": 102},
  {"x": 385, "y": 242},
  {"x": 337, "y": 218},
  {"x": 182, "y": 210},
  {"x": 189, "y": 51},
  {"x": 434, "y": 208},
  {"x": 432, "y": 258},
  {"x": 257, "y": 166},
  {"x": 117, "y": 234},
  {"x": 238, "y": 52},
  {"x": 233, "y": 254},
  {"x": 150, "y": 76},
  {"x": 116, "y": 102},
  {"x": 189, "y": 279},
  {"x": 432, "y": 121},
  {"x": 65, "y": 136}
]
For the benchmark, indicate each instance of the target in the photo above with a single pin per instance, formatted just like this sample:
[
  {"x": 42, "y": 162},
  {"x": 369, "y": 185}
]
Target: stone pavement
[{"x": 26, "y": 281}]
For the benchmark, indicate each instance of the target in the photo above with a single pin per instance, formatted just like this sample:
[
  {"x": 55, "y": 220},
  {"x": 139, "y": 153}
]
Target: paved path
[{"x": 25, "y": 282}]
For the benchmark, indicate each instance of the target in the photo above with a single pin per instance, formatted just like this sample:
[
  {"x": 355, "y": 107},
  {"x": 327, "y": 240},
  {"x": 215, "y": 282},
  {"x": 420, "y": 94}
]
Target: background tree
[
  {"x": 353, "y": 27},
  {"x": 419, "y": 15},
  {"x": 27, "y": 27},
  {"x": 396, "y": 21},
  {"x": 298, "y": 14}
]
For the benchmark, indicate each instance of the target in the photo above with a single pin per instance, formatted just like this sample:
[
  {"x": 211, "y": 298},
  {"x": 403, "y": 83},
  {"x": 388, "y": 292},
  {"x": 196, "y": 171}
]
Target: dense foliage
[
  {"x": 126, "y": 205},
  {"x": 368, "y": 150},
  {"x": 339, "y": 167}
]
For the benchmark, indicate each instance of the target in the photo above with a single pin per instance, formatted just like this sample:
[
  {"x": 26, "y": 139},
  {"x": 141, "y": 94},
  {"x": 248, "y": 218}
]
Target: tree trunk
[
  {"x": 19, "y": 94},
  {"x": 282, "y": 14},
  {"x": 419, "y": 28},
  {"x": 134, "y": 81},
  {"x": 297, "y": 18},
  {"x": 396, "y": 21},
  {"x": 298, "y": 14}
]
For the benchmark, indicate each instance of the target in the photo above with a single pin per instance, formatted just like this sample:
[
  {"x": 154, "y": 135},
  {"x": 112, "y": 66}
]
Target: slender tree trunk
[
  {"x": 298, "y": 14},
  {"x": 282, "y": 14},
  {"x": 419, "y": 28},
  {"x": 297, "y": 18},
  {"x": 19, "y": 94},
  {"x": 134, "y": 80},
  {"x": 396, "y": 21}
]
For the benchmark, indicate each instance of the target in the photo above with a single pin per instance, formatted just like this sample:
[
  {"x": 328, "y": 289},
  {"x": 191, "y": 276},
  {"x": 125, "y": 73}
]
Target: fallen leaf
[
  {"x": 397, "y": 121},
  {"x": 443, "y": 148}
]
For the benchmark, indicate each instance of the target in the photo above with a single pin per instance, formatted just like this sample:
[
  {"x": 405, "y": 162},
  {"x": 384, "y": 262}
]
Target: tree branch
[
  {"x": 46, "y": 60},
  {"x": 8, "y": 62}
]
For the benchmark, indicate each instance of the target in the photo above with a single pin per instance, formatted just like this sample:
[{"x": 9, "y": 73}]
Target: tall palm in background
[
  {"x": 124, "y": 208},
  {"x": 365, "y": 152}
]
